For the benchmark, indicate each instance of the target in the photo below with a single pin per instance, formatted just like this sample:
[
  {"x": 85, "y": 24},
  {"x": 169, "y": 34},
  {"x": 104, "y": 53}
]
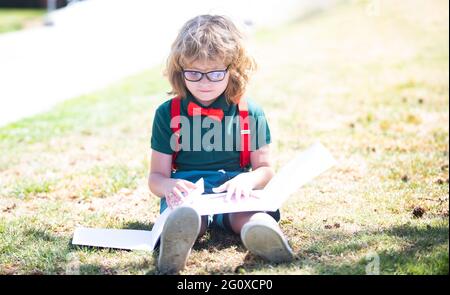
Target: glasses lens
[
  {"x": 192, "y": 75},
  {"x": 216, "y": 76}
]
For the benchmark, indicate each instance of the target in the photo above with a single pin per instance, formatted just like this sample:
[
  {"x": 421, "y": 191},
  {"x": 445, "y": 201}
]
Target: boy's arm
[
  {"x": 160, "y": 168},
  {"x": 262, "y": 171}
]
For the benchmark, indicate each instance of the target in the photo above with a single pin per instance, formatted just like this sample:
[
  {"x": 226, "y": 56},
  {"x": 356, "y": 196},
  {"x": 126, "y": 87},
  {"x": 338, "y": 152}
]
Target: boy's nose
[{"x": 204, "y": 80}]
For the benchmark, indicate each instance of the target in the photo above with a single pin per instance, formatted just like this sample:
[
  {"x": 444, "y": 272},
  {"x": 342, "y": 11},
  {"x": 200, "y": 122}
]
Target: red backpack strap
[
  {"x": 175, "y": 111},
  {"x": 245, "y": 133}
]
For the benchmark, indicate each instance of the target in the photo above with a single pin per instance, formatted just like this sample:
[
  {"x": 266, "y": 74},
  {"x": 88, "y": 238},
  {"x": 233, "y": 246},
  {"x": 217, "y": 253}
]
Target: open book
[{"x": 297, "y": 172}]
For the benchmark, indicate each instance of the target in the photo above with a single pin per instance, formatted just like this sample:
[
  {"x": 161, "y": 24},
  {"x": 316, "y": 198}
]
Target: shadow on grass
[
  {"x": 40, "y": 234},
  {"x": 417, "y": 250},
  {"x": 218, "y": 239},
  {"x": 138, "y": 225},
  {"x": 405, "y": 249}
]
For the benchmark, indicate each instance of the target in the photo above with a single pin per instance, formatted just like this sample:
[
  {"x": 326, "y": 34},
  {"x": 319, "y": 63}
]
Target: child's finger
[
  {"x": 178, "y": 194},
  {"x": 230, "y": 192},
  {"x": 189, "y": 184},
  {"x": 221, "y": 188},
  {"x": 184, "y": 188},
  {"x": 245, "y": 194},
  {"x": 171, "y": 200},
  {"x": 253, "y": 194},
  {"x": 238, "y": 194}
]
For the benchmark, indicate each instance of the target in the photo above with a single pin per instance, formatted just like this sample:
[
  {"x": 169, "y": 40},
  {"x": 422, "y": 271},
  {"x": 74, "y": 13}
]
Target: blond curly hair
[{"x": 210, "y": 38}]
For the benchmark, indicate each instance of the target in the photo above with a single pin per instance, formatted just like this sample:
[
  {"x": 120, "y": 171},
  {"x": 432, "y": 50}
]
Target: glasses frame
[{"x": 205, "y": 74}]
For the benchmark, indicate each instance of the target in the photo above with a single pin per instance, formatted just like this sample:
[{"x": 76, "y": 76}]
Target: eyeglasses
[{"x": 213, "y": 76}]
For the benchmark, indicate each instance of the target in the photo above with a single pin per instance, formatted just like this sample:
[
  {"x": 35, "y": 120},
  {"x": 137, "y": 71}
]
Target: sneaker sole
[
  {"x": 266, "y": 242},
  {"x": 178, "y": 236}
]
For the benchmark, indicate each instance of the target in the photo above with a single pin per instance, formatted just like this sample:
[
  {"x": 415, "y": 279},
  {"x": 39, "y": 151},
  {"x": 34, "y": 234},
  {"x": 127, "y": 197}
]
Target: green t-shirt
[{"x": 218, "y": 147}]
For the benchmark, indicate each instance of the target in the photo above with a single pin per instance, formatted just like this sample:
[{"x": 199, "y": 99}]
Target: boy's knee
[
  {"x": 262, "y": 216},
  {"x": 237, "y": 220}
]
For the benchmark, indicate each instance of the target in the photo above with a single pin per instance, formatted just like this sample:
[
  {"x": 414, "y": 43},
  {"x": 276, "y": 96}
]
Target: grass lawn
[
  {"x": 373, "y": 88},
  {"x": 17, "y": 19}
]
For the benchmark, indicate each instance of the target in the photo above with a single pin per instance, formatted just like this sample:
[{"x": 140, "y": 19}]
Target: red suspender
[
  {"x": 245, "y": 133},
  {"x": 175, "y": 112}
]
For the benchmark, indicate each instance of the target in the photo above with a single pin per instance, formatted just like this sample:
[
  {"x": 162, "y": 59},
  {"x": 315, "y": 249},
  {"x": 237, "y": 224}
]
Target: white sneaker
[
  {"x": 262, "y": 236},
  {"x": 177, "y": 238}
]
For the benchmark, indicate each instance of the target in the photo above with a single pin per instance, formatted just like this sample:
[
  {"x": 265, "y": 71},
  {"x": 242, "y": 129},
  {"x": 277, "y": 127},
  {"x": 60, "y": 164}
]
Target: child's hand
[
  {"x": 240, "y": 187},
  {"x": 176, "y": 192}
]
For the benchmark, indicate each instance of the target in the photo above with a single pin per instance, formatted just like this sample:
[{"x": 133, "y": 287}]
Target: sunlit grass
[{"x": 17, "y": 19}]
